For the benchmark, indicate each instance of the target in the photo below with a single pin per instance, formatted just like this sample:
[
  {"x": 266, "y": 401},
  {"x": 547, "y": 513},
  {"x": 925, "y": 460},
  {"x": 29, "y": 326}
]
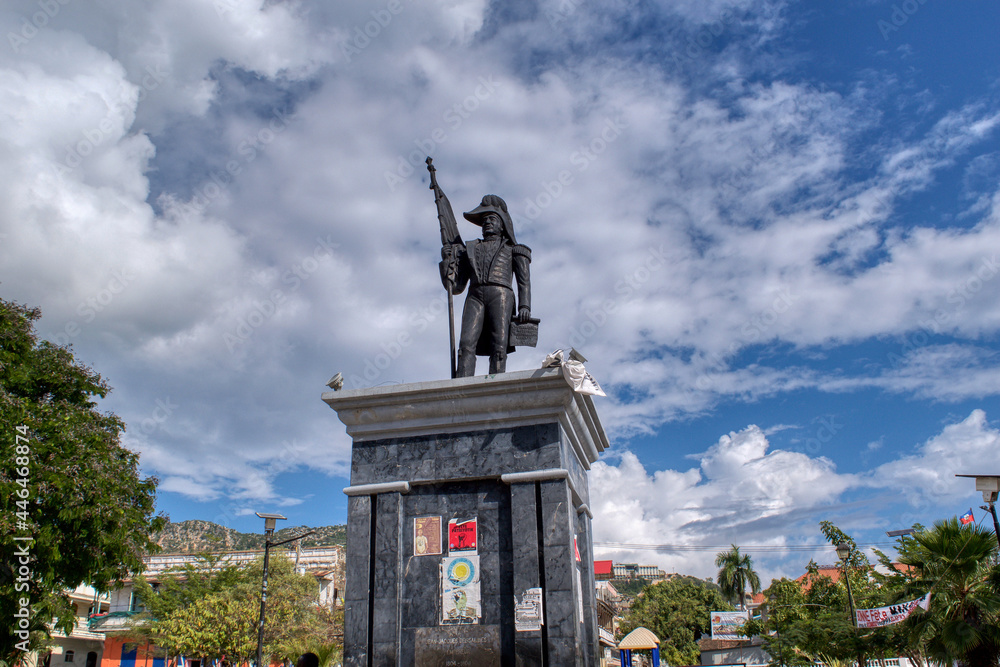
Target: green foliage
[
  {"x": 677, "y": 612},
  {"x": 951, "y": 561},
  {"x": 212, "y": 610},
  {"x": 87, "y": 508},
  {"x": 954, "y": 562},
  {"x": 736, "y": 573},
  {"x": 630, "y": 587}
]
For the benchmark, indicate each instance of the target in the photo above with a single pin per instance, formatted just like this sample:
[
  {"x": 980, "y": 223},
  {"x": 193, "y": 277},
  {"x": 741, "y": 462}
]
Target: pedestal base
[{"x": 509, "y": 451}]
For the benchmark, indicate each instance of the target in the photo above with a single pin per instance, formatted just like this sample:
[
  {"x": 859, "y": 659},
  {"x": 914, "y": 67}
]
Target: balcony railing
[{"x": 111, "y": 621}]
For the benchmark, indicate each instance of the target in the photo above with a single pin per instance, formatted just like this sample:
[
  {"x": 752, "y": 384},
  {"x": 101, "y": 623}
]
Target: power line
[{"x": 763, "y": 548}]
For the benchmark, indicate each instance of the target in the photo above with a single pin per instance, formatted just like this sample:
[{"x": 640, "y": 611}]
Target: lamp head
[
  {"x": 269, "y": 520},
  {"x": 988, "y": 484},
  {"x": 843, "y": 551}
]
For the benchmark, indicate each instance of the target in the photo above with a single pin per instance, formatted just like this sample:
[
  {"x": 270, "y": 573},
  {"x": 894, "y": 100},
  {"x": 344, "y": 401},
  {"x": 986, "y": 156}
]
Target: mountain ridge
[{"x": 197, "y": 535}]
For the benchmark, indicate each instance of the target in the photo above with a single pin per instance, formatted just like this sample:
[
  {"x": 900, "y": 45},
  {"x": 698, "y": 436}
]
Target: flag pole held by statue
[{"x": 449, "y": 239}]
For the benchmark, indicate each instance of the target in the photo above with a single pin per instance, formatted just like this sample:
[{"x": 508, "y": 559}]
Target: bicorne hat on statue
[{"x": 492, "y": 204}]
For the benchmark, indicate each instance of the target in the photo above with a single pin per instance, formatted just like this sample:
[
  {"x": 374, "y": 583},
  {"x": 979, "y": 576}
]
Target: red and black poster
[{"x": 461, "y": 537}]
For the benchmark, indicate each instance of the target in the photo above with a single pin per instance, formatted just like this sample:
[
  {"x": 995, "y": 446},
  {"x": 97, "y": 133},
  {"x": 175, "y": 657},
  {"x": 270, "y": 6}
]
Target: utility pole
[{"x": 844, "y": 553}]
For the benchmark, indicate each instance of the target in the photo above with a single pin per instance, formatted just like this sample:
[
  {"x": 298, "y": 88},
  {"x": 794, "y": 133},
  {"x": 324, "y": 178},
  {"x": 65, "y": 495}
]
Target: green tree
[
  {"x": 809, "y": 621},
  {"x": 65, "y": 481},
  {"x": 955, "y": 563},
  {"x": 212, "y": 610},
  {"x": 736, "y": 573},
  {"x": 182, "y": 586},
  {"x": 678, "y": 612}
]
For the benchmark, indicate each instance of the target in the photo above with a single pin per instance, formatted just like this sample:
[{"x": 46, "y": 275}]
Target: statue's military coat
[{"x": 482, "y": 264}]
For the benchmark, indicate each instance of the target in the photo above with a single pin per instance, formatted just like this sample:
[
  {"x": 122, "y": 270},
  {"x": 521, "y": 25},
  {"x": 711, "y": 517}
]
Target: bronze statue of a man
[
  {"x": 491, "y": 324},
  {"x": 489, "y": 266}
]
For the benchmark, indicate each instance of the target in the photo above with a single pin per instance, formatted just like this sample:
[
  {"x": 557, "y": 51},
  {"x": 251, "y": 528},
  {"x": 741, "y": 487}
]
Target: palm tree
[
  {"x": 736, "y": 574},
  {"x": 954, "y": 563}
]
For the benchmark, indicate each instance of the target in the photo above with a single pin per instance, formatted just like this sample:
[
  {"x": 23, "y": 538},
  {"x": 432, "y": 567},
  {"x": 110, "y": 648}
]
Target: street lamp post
[
  {"x": 843, "y": 553},
  {"x": 269, "y": 521}
]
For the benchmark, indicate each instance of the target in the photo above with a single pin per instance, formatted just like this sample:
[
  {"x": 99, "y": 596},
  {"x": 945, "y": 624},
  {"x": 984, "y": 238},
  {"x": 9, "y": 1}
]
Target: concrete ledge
[
  {"x": 534, "y": 476},
  {"x": 483, "y": 402},
  {"x": 373, "y": 489}
]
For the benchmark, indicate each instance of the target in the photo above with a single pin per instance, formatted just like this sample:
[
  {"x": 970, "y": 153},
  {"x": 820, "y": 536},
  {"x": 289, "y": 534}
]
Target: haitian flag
[{"x": 967, "y": 518}]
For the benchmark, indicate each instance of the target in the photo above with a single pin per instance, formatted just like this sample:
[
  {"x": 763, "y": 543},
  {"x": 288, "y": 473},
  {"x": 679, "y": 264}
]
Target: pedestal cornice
[{"x": 471, "y": 404}]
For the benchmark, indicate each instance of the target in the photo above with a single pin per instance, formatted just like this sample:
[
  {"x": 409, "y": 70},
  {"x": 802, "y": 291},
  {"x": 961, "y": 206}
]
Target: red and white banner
[{"x": 897, "y": 613}]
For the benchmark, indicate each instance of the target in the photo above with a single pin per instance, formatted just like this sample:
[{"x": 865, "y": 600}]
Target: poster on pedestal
[
  {"x": 462, "y": 537},
  {"x": 427, "y": 536},
  {"x": 460, "y": 597},
  {"x": 528, "y": 611}
]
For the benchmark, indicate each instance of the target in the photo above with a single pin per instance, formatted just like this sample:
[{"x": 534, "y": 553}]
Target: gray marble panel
[
  {"x": 356, "y": 593},
  {"x": 524, "y": 536},
  {"x": 577, "y": 473},
  {"x": 461, "y": 455},
  {"x": 560, "y": 614},
  {"x": 385, "y": 594},
  {"x": 557, "y": 535},
  {"x": 384, "y": 654},
  {"x": 564, "y": 651},
  {"x": 406, "y": 590},
  {"x": 586, "y": 545}
]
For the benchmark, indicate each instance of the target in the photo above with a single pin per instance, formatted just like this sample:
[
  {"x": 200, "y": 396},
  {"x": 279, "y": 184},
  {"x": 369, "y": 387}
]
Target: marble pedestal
[{"x": 510, "y": 450}]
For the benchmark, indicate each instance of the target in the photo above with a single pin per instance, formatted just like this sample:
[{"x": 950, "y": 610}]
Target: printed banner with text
[{"x": 896, "y": 613}]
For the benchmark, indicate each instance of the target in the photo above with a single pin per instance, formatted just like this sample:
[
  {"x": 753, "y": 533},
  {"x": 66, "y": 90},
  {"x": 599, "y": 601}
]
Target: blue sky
[{"x": 775, "y": 240}]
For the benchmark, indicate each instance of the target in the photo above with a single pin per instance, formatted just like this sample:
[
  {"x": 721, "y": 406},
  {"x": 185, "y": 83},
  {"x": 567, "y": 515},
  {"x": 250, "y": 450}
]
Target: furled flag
[{"x": 967, "y": 517}]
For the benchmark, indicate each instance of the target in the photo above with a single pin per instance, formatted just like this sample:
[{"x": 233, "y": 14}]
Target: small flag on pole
[{"x": 967, "y": 518}]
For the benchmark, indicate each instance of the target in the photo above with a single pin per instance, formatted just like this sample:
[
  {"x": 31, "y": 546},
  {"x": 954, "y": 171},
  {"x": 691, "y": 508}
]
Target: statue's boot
[
  {"x": 498, "y": 363},
  {"x": 466, "y": 364}
]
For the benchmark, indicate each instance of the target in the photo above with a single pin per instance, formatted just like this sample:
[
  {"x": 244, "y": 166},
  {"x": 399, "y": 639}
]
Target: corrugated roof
[{"x": 638, "y": 639}]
